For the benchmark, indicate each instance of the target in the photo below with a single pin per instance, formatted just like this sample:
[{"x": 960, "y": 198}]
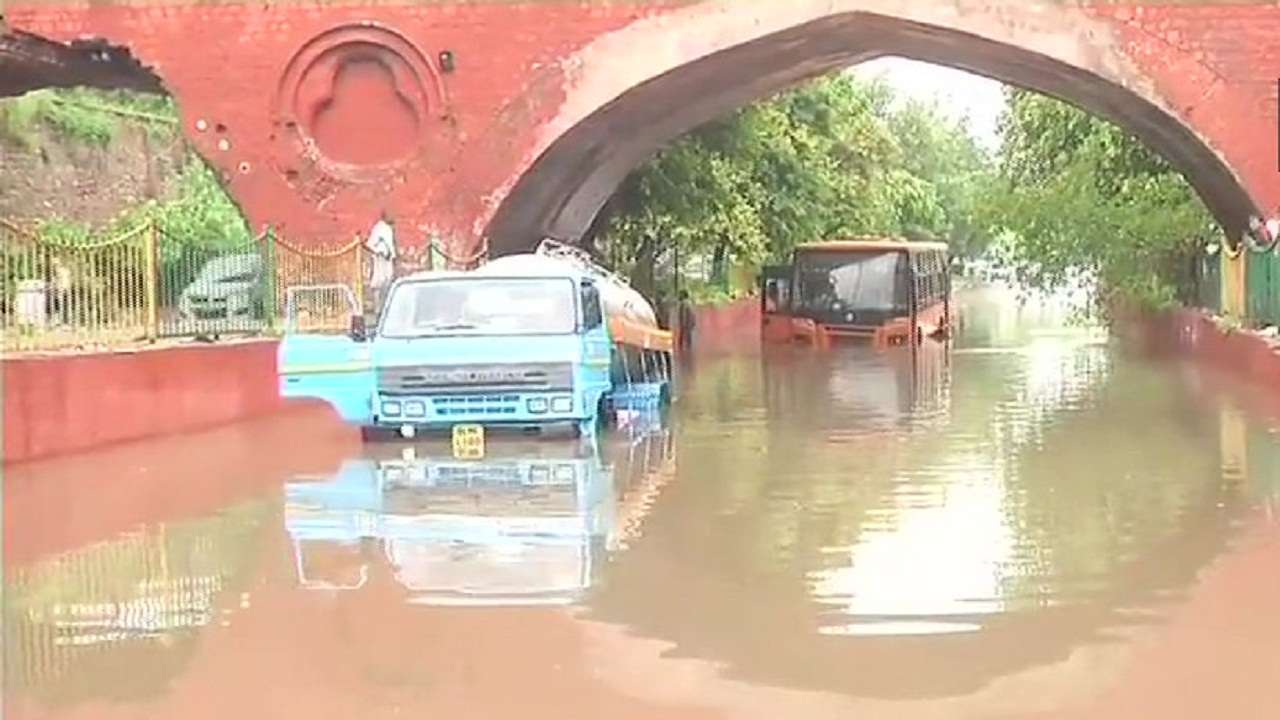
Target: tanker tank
[{"x": 617, "y": 297}]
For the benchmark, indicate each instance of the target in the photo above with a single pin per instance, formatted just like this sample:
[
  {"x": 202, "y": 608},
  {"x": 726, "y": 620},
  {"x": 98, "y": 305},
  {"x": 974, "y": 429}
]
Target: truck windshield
[{"x": 481, "y": 307}]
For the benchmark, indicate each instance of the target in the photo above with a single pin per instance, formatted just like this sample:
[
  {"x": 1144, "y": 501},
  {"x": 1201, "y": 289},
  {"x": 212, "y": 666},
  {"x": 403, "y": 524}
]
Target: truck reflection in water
[{"x": 528, "y": 525}]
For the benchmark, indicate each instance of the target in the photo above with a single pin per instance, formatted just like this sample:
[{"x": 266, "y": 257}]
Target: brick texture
[{"x": 1215, "y": 65}]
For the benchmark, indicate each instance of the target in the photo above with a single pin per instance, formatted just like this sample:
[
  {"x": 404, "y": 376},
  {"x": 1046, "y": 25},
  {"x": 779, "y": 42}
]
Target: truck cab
[{"x": 524, "y": 342}]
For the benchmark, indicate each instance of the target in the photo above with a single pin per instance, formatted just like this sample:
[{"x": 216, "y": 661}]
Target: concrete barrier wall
[
  {"x": 732, "y": 327},
  {"x": 56, "y": 404},
  {"x": 1191, "y": 333},
  {"x": 59, "y": 404}
]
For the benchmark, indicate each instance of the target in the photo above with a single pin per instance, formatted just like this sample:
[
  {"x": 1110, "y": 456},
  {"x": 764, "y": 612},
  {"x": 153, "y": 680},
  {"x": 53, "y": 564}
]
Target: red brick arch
[
  {"x": 635, "y": 90},
  {"x": 551, "y": 102}
]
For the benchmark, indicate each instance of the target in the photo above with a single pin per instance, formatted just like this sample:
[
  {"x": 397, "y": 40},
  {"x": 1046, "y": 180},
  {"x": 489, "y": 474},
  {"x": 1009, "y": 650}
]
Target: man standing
[
  {"x": 60, "y": 291},
  {"x": 687, "y": 322},
  {"x": 382, "y": 246}
]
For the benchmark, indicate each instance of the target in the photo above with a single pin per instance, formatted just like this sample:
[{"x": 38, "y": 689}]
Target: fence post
[
  {"x": 270, "y": 278},
  {"x": 357, "y": 258},
  {"x": 151, "y": 301}
]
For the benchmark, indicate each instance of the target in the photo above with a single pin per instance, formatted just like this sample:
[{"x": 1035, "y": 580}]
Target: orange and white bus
[{"x": 891, "y": 292}]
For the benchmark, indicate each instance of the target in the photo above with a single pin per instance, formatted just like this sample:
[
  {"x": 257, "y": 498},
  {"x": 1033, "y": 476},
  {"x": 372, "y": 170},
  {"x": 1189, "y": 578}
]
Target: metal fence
[
  {"x": 60, "y": 294},
  {"x": 1209, "y": 282},
  {"x": 1243, "y": 283},
  {"x": 146, "y": 284},
  {"x": 1263, "y": 272}
]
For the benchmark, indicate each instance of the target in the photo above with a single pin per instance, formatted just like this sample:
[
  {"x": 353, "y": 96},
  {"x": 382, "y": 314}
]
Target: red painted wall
[
  {"x": 228, "y": 64},
  {"x": 1217, "y": 64},
  {"x": 732, "y": 327},
  {"x": 517, "y": 67},
  {"x": 1244, "y": 354},
  {"x": 63, "y": 403}
]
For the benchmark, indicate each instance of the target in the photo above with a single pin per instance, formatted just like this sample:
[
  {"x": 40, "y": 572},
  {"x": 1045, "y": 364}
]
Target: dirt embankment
[{"x": 46, "y": 173}]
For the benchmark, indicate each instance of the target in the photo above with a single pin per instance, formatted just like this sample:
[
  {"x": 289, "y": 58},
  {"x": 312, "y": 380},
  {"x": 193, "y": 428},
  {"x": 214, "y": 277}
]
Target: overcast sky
[{"x": 965, "y": 95}]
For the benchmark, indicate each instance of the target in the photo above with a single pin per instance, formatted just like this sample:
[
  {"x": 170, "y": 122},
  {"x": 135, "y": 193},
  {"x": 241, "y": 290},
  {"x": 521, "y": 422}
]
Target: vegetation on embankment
[
  {"x": 1064, "y": 193},
  {"x": 81, "y": 164}
]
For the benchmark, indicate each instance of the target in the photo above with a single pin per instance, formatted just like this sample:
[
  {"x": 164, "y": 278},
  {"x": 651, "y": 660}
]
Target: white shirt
[{"x": 382, "y": 244}]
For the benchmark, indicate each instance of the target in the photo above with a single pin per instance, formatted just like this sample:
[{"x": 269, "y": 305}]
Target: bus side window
[
  {"x": 637, "y": 365},
  {"x": 617, "y": 367},
  {"x": 933, "y": 275},
  {"x": 902, "y": 291},
  {"x": 917, "y": 287}
]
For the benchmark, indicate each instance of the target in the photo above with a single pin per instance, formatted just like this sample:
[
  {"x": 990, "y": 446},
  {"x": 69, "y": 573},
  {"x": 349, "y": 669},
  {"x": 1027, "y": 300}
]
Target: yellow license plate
[{"x": 468, "y": 442}]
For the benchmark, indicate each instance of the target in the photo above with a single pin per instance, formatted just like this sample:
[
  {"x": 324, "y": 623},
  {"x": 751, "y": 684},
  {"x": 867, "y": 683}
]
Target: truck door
[{"x": 322, "y": 356}]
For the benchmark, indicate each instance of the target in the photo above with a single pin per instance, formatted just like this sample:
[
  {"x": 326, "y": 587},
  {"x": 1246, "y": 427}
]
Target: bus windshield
[
  {"x": 835, "y": 282},
  {"x": 481, "y": 307}
]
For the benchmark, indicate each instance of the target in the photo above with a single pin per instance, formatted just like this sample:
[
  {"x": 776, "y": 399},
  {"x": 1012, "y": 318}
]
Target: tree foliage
[
  {"x": 1077, "y": 193},
  {"x": 835, "y": 157}
]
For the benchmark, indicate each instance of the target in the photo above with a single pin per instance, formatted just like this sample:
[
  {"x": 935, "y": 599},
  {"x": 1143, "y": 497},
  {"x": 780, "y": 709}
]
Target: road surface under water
[{"x": 1032, "y": 522}]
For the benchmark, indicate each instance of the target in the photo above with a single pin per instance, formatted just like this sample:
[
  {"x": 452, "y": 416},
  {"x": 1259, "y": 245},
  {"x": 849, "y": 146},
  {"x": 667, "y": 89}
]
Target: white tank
[{"x": 618, "y": 298}]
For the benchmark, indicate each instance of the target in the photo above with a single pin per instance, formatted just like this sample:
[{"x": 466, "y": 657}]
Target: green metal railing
[
  {"x": 1263, "y": 273},
  {"x": 145, "y": 284},
  {"x": 1209, "y": 282}
]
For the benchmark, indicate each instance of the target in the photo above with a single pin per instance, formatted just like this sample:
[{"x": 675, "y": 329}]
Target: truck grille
[{"x": 475, "y": 379}]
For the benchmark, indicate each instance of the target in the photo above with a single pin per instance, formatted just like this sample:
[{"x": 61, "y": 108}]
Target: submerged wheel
[{"x": 374, "y": 434}]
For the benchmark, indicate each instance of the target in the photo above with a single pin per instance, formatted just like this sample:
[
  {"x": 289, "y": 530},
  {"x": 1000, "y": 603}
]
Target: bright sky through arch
[{"x": 960, "y": 93}]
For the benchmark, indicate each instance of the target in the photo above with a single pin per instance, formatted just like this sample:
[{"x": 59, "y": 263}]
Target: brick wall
[{"x": 524, "y": 70}]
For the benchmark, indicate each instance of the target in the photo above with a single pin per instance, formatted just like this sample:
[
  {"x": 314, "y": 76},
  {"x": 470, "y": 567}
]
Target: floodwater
[{"x": 1033, "y": 522}]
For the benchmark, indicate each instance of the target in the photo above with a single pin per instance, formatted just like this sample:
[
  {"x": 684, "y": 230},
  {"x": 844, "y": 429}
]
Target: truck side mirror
[{"x": 359, "y": 332}]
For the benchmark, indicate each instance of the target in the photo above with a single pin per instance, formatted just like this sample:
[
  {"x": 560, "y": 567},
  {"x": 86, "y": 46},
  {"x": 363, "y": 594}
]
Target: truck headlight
[
  {"x": 562, "y": 404},
  {"x": 391, "y": 408},
  {"x": 537, "y": 406},
  {"x": 415, "y": 408}
]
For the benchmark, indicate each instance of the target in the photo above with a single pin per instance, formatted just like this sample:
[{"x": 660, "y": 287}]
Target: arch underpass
[
  {"x": 1049, "y": 48},
  {"x": 491, "y": 121}
]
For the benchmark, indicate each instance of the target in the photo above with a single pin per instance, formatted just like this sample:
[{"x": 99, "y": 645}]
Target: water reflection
[
  {"x": 999, "y": 527},
  {"x": 141, "y": 598},
  {"x": 887, "y": 511},
  {"x": 531, "y": 524}
]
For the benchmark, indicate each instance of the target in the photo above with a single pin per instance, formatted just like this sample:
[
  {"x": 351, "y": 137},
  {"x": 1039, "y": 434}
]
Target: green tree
[
  {"x": 831, "y": 158},
  {"x": 1077, "y": 193}
]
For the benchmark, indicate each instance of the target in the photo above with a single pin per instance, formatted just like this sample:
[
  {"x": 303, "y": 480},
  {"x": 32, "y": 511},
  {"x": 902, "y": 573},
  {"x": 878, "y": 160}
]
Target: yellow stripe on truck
[{"x": 324, "y": 368}]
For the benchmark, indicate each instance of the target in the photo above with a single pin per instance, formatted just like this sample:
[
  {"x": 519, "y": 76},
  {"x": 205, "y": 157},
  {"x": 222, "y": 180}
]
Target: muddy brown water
[{"x": 1031, "y": 521}]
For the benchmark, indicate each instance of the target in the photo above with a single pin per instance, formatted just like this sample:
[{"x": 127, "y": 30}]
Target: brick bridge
[{"x": 491, "y": 121}]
